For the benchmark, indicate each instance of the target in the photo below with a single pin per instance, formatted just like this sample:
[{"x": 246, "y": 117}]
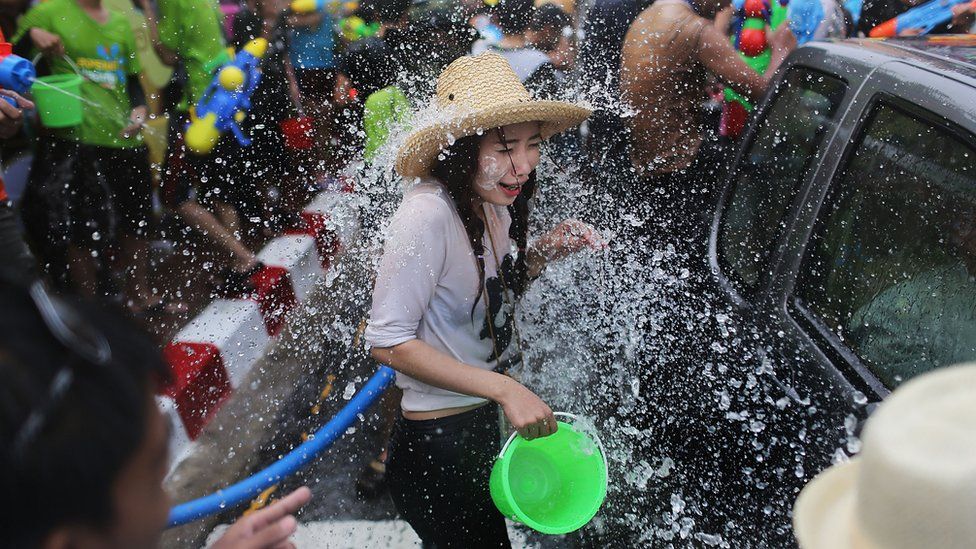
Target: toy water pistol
[
  {"x": 16, "y": 73},
  {"x": 226, "y": 100},
  {"x": 750, "y": 41},
  {"x": 923, "y": 18}
]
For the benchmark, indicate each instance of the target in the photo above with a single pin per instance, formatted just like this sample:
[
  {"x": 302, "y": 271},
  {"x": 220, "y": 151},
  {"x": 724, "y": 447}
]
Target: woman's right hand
[{"x": 530, "y": 416}]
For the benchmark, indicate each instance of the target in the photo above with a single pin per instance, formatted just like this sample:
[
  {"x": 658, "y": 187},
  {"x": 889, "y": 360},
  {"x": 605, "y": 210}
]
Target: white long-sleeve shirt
[{"x": 426, "y": 284}]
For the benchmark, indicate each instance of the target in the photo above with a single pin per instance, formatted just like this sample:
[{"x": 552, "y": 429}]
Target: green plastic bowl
[
  {"x": 57, "y": 98},
  {"x": 554, "y": 484}
]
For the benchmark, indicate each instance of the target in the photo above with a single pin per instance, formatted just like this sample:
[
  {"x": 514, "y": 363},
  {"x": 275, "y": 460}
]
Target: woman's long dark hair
[{"x": 457, "y": 171}]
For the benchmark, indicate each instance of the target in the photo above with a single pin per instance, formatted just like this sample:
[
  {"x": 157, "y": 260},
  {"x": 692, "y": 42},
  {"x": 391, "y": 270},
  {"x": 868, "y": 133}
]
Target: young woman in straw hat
[{"x": 455, "y": 261}]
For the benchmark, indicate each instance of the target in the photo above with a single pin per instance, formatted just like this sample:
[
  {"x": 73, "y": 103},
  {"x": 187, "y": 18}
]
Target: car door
[
  {"x": 780, "y": 156},
  {"x": 876, "y": 283}
]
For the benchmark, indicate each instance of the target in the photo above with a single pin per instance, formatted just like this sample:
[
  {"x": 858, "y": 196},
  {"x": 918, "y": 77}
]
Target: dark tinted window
[
  {"x": 772, "y": 170},
  {"x": 891, "y": 264}
]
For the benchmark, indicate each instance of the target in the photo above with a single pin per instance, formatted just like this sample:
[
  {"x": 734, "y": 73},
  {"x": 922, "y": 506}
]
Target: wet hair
[
  {"x": 65, "y": 472},
  {"x": 457, "y": 171},
  {"x": 514, "y": 15}
]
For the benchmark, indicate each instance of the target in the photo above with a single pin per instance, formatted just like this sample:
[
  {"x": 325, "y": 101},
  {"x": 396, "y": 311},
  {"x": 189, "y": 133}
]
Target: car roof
[{"x": 953, "y": 55}]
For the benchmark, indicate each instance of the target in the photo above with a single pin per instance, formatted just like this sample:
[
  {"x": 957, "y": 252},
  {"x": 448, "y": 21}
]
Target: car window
[
  {"x": 771, "y": 172},
  {"x": 891, "y": 264}
]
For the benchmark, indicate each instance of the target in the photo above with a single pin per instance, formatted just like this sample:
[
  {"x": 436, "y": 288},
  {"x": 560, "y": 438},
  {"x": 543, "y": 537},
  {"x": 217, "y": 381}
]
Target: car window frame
[
  {"x": 740, "y": 296},
  {"x": 821, "y": 336}
]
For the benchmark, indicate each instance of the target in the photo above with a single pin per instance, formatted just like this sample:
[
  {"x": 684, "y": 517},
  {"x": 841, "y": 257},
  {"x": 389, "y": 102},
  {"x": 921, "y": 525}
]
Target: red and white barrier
[
  {"x": 299, "y": 255},
  {"x": 179, "y": 440},
  {"x": 212, "y": 354}
]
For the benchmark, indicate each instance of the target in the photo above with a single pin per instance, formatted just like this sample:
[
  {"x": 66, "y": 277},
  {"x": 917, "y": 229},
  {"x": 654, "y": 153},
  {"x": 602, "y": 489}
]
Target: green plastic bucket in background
[
  {"x": 57, "y": 109},
  {"x": 554, "y": 484}
]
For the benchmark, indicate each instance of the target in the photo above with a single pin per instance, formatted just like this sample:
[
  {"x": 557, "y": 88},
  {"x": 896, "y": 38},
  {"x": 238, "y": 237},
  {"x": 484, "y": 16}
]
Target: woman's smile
[{"x": 512, "y": 190}]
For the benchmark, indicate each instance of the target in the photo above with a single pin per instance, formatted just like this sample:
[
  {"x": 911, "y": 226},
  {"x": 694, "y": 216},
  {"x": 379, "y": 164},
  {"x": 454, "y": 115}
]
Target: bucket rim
[
  {"x": 503, "y": 460},
  {"x": 62, "y": 78}
]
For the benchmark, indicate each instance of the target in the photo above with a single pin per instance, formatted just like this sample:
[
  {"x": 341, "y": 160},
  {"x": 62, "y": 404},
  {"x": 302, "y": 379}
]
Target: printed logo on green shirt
[{"x": 108, "y": 71}]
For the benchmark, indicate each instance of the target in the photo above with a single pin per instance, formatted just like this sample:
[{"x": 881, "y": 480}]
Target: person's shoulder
[
  {"x": 118, "y": 19},
  {"x": 49, "y": 7},
  {"x": 429, "y": 195}
]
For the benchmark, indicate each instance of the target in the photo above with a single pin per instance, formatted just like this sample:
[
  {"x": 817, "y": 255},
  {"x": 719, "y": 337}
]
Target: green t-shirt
[
  {"x": 193, "y": 29},
  {"x": 105, "y": 54},
  {"x": 384, "y": 109}
]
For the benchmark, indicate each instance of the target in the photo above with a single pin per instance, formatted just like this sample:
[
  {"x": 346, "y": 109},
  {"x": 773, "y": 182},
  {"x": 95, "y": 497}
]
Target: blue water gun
[
  {"x": 923, "y": 18},
  {"x": 226, "y": 100},
  {"x": 16, "y": 73}
]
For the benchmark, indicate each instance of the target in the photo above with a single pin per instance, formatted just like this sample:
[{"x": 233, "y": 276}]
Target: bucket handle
[
  {"x": 67, "y": 59},
  {"x": 574, "y": 417}
]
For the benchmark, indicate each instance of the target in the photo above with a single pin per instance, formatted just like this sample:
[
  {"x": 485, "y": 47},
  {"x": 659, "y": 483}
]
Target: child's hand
[
  {"x": 137, "y": 118},
  {"x": 48, "y": 42},
  {"x": 11, "y": 117}
]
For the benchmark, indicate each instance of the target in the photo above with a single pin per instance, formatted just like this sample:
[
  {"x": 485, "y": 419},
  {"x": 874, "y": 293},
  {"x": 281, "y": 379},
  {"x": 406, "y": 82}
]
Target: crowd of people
[
  {"x": 506, "y": 76},
  {"x": 96, "y": 212}
]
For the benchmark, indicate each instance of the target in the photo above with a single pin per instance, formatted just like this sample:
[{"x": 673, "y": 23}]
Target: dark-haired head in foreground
[{"x": 83, "y": 446}]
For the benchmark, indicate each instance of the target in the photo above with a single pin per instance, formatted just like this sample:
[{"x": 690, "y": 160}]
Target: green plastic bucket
[
  {"x": 554, "y": 484},
  {"x": 57, "y": 109}
]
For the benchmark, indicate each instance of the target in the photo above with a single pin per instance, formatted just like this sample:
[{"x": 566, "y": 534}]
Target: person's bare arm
[
  {"x": 530, "y": 416},
  {"x": 166, "y": 55},
  {"x": 715, "y": 51},
  {"x": 723, "y": 19}
]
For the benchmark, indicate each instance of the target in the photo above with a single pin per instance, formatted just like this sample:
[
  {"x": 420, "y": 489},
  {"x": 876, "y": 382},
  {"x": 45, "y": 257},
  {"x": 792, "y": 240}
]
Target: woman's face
[{"x": 504, "y": 166}]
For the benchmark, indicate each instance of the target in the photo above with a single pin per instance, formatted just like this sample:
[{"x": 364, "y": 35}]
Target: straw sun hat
[
  {"x": 480, "y": 93},
  {"x": 913, "y": 484}
]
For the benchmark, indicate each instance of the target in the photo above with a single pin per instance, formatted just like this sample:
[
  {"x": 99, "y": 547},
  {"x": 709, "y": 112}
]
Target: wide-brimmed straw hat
[
  {"x": 913, "y": 484},
  {"x": 478, "y": 93}
]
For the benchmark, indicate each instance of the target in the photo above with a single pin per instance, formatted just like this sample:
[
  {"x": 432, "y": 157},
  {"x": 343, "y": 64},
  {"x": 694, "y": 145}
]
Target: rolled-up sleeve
[{"x": 414, "y": 256}]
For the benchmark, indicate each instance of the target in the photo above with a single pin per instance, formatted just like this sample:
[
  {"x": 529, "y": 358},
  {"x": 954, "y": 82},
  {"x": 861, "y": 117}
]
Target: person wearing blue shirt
[{"x": 311, "y": 52}]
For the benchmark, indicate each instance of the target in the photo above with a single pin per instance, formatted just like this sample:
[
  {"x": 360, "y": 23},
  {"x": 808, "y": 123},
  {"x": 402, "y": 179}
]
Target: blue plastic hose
[{"x": 294, "y": 460}]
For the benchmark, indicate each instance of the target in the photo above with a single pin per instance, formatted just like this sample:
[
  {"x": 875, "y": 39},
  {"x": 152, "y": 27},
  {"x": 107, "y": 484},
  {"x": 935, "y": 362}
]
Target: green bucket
[
  {"x": 58, "y": 109},
  {"x": 554, "y": 484}
]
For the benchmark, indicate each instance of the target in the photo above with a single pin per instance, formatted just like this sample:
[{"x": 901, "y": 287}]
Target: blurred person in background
[
  {"x": 90, "y": 186},
  {"x": 667, "y": 57},
  {"x": 532, "y": 65},
  {"x": 551, "y": 31},
  {"x": 312, "y": 55},
  {"x": 602, "y": 30},
  {"x": 188, "y": 35},
  {"x": 268, "y": 169},
  {"x": 83, "y": 446}
]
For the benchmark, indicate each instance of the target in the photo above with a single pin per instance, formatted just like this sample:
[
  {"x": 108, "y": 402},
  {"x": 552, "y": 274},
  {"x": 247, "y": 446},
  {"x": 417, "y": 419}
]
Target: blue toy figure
[{"x": 225, "y": 102}]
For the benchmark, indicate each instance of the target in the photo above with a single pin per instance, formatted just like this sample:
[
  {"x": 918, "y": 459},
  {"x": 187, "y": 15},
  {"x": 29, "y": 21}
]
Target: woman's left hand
[{"x": 569, "y": 237}]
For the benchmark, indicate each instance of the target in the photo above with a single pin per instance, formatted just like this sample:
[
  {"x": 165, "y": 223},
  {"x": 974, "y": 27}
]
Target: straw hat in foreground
[
  {"x": 480, "y": 93},
  {"x": 913, "y": 484}
]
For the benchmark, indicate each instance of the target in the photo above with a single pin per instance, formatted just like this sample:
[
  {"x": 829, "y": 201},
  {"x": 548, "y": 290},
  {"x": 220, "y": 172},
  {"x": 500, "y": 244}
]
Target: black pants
[
  {"x": 438, "y": 474},
  {"x": 16, "y": 261}
]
